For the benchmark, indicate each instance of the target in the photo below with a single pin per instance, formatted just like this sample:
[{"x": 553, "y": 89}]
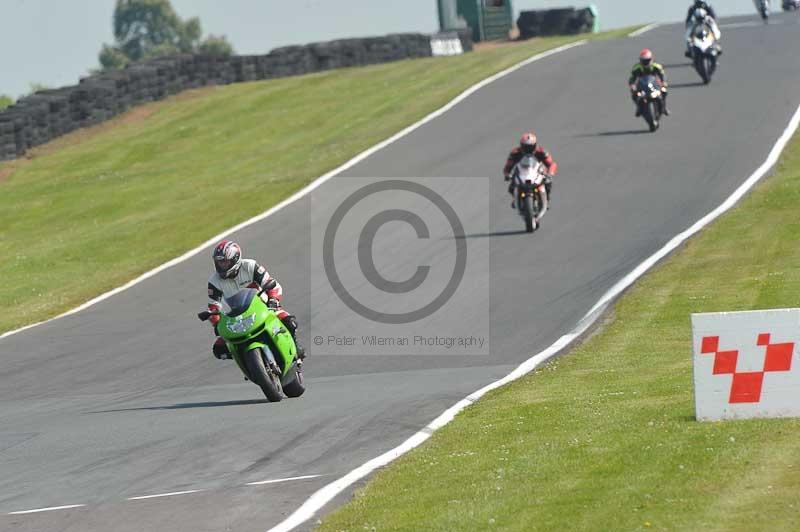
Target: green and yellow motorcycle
[{"x": 260, "y": 344}]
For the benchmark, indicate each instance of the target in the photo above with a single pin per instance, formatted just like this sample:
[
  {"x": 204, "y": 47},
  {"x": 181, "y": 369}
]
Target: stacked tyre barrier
[
  {"x": 48, "y": 114},
  {"x": 569, "y": 21}
]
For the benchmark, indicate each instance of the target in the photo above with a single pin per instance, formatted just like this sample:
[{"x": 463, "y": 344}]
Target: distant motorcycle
[
  {"x": 530, "y": 191},
  {"x": 704, "y": 51},
  {"x": 763, "y": 8},
  {"x": 701, "y": 20},
  {"x": 650, "y": 99},
  {"x": 791, "y": 5}
]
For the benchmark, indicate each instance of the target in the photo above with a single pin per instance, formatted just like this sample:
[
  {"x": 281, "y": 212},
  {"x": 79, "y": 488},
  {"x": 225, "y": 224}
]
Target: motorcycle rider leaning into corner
[
  {"x": 234, "y": 274},
  {"x": 529, "y": 145},
  {"x": 646, "y": 67}
]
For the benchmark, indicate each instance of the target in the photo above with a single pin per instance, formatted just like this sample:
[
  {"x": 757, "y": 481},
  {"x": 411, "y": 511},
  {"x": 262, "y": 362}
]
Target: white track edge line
[
  {"x": 750, "y": 24},
  {"x": 279, "y": 480},
  {"x": 49, "y": 509},
  {"x": 307, "y": 189},
  {"x": 158, "y": 495},
  {"x": 642, "y": 31},
  {"x": 324, "y": 495}
]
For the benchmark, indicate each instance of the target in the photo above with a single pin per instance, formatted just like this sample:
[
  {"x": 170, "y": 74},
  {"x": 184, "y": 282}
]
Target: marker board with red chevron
[{"x": 746, "y": 364}]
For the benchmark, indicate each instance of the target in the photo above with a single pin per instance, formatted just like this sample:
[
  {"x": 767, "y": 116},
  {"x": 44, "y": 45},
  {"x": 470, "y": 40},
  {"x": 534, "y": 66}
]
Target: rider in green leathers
[{"x": 645, "y": 67}]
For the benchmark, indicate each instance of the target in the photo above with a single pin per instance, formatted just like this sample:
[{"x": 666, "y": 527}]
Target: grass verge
[
  {"x": 605, "y": 438},
  {"x": 96, "y": 208}
]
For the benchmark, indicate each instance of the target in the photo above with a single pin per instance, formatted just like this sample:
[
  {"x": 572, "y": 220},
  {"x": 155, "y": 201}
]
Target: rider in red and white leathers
[
  {"x": 529, "y": 145},
  {"x": 234, "y": 274}
]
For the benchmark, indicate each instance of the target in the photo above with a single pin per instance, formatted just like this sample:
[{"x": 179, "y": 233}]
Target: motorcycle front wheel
[
  {"x": 269, "y": 384},
  {"x": 528, "y": 208},
  {"x": 701, "y": 65},
  {"x": 650, "y": 116}
]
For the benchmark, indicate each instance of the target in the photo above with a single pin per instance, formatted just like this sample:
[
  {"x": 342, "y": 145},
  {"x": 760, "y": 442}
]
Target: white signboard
[
  {"x": 746, "y": 364},
  {"x": 446, "y": 44}
]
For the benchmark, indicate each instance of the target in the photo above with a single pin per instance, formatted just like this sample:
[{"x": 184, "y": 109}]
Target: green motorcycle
[{"x": 260, "y": 344}]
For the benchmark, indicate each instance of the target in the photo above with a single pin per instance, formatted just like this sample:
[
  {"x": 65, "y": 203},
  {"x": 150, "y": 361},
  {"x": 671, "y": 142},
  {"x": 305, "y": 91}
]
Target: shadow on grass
[{"x": 181, "y": 406}]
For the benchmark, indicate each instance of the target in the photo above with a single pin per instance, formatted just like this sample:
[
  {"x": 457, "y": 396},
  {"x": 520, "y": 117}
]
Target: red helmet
[
  {"x": 646, "y": 57},
  {"x": 227, "y": 258},
  {"x": 528, "y": 142}
]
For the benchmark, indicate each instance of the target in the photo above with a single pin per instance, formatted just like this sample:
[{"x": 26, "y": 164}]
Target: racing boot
[
  {"x": 220, "y": 349},
  {"x": 636, "y": 103},
  {"x": 291, "y": 324}
]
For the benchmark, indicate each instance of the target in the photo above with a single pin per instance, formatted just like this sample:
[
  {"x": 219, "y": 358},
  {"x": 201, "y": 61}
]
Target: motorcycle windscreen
[
  {"x": 646, "y": 81},
  {"x": 240, "y": 302},
  {"x": 528, "y": 169},
  {"x": 703, "y": 40}
]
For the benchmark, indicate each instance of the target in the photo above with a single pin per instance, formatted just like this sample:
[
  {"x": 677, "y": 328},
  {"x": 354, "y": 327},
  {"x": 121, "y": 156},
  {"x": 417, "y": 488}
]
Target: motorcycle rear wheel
[{"x": 254, "y": 362}]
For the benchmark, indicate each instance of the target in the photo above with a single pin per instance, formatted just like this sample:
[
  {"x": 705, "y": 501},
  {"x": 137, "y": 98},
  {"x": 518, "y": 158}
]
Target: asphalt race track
[{"x": 125, "y": 400}]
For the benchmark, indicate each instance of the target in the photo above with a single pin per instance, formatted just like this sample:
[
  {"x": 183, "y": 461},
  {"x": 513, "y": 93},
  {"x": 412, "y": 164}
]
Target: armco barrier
[
  {"x": 48, "y": 114},
  {"x": 569, "y": 21}
]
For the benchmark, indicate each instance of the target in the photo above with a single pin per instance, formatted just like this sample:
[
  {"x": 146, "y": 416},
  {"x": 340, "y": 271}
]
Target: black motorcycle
[{"x": 650, "y": 100}]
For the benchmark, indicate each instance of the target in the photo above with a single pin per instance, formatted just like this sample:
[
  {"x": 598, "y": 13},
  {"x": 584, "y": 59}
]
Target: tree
[
  {"x": 36, "y": 87},
  {"x": 141, "y": 25},
  {"x": 150, "y": 28},
  {"x": 113, "y": 57},
  {"x": 5, "y": 101},
  {"x": 215, "y": 45},
  {"x": 189, "y": 35}
]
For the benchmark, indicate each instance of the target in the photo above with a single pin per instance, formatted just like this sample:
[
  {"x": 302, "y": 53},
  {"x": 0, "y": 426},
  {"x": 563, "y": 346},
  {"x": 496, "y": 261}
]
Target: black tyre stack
[{"x": 48, "y": 114}]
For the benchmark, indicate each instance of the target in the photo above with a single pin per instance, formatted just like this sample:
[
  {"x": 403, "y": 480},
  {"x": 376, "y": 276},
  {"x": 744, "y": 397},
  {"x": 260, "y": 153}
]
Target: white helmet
[{"x": 700, "y": 14}]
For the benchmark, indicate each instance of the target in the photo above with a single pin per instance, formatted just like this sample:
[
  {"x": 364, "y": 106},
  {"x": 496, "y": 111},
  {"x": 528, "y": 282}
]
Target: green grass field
[
  {"x": 604, "y": 438},
  {"x": 95, "y": 209}
]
